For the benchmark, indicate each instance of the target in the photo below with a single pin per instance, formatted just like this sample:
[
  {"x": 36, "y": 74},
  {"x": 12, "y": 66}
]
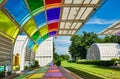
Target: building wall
[
  {"x": 44, "y": 53},
  {"x": 103, "y": 51},
  {"x": 20, "y": 48}
]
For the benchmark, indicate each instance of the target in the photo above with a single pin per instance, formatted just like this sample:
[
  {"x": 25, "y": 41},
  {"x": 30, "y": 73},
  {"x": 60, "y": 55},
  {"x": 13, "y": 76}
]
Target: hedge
[{"x": 99, "y": 63}]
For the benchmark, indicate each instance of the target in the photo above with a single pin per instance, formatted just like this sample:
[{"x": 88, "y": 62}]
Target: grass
[{"x": 92, "y": 71}]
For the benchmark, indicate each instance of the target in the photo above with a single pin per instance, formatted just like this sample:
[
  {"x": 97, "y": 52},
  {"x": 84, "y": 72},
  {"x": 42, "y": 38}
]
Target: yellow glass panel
[
  {"x": 7, "y": 26},
  {"x": 30, "y": 27},
  {"x": 43, "y": 30},
  {"x": 35, "y": 47}
]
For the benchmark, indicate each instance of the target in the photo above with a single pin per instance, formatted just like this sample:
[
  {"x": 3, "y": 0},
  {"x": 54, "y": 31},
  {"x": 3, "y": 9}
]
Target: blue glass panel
[
  {"x": 22, "y": 33},
  {"x": 40, "y": 19},
  {"x": 39, "y": 41},
  {"x": 53, "y": 33},
  {"x": 53, "y": 14},
  {"x": 18, "y": 10},
  {"x": 30, "y": 44}
]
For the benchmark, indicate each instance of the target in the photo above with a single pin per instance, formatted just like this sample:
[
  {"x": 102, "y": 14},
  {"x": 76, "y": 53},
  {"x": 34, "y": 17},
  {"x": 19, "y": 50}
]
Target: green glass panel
[
  {"x": 36, "y": 35},
  {"x": 45, "y": 37},
  {"x": 30, "y": 27},
  {"x": 7, "y": 26},
  {"x": 34, "y": 4},
  {"x": 1, "y": 1},
  {"x": 43, "y": 30}
]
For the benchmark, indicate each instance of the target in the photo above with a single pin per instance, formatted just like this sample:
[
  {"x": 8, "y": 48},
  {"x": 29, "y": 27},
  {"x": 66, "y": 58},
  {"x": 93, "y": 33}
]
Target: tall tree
[{"x": 80, "y": 44}]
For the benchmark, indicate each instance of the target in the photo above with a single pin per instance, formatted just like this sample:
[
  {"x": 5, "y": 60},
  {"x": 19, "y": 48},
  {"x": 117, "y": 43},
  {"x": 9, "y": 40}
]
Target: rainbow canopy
[{"x": 41, "y": 19}]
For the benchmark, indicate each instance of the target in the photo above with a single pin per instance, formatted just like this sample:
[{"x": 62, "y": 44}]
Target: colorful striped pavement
[
  {"x": 54, "y": 73},
  {"x": 36, "y": 74}
]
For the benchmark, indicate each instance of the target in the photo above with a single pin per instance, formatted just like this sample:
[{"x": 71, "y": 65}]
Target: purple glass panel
[
  {"x": 53, "y": 14},
  {"x": 118, "y": 33},
  {"x": 52, "y": 33}
]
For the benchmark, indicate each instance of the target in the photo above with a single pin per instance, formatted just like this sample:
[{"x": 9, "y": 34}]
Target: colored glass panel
[
  {"x": 18, "y": 9},
  {"x": 39, "y": 41},
  {"x": 7, "y": 26},
  {"x": 30, "y": 44},
  {"x": 53, "y": 26},
  {"x": 45, "y": 37},
  {"x": 1, "y": 1},
  {"x": 30, "y": 27},
  {"x": 52, "y": 1},
  {"x": 35, "y": 47},
  {"x": 40, "y": 19},
  {"x": 52, "y": 33},
  {"x": 43, "y": 30},
  {"x": 53, "y": 14},
  {"x": 35, "y": 6},
  {"x": 53, "y": 4},
  {"x": 36, "y": 35}
]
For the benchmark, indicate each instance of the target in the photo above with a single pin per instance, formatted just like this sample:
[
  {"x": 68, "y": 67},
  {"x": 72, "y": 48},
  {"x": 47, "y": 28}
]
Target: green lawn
[{"x": 92, "y": 71}]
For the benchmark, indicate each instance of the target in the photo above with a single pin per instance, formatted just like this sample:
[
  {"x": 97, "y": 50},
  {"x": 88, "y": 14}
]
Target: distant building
[
  {"x": 44, "y": 53},
  {"x": 103, "y": 51}
]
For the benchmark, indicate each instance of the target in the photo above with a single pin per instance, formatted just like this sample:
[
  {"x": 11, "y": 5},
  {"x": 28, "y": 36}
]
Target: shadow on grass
[
  {"x": 83, "y": 74},
  {"x": 110, "y": 68}
]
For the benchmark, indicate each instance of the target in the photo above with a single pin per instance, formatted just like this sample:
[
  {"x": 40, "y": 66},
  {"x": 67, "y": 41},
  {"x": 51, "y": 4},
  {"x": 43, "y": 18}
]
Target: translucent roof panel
[
  {"x": 43, "y": 30},
  {"x": 30, "y": 27},
  {"x": 39, "y": 41},
  {"x": 112, "y": 30},
  {"x": 53, "y": 4},
  {"x": 1, "y": 1},
  {"x": 53, "y": 33},
  {"x": 35, "y": 47},
  {"x": 36, "y": 35},
  {"x": 30, "y": 44},
  {"x": 47, "y": 2},
  {"x": 53, "y": 26},
  {"x": 40, "y": 19},
  {"x": 7, "y": 26},
  {"x": 45, "y": 37},
  {"x": 35, "y": 6},
  {"x": 18, "y": 9},
  {"x": 53, "y": 14},
  {"x": 74, "y": 13}
]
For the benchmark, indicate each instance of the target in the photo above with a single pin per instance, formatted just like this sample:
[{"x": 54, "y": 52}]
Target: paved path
[{"x": 52, "y": 72}]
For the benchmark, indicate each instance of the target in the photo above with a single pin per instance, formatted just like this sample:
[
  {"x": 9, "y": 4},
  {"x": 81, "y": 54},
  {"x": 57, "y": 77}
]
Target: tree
[
  {"x": 65, "y": 57},
  {"x": 80, "y": 44}
]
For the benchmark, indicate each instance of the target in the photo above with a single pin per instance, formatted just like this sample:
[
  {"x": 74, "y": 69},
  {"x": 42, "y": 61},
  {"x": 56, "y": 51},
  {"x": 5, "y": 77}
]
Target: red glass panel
[
  {"x": 52, "y": 1},
  {"x": 53, "y": 26}
]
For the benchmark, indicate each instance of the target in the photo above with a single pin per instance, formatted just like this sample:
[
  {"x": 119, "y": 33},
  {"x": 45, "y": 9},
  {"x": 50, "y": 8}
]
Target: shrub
[
  {"x": 2, "y": 74},
  {"x": 58, "y": 63},
  {"x": 100, "y": 63}
]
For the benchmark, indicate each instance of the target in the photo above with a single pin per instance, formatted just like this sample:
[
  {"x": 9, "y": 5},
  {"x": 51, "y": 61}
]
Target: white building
[
  {"x": 20, "y": 48},
  {"x": 103, "y": 51},
  {"x": 44, "y": 53}
]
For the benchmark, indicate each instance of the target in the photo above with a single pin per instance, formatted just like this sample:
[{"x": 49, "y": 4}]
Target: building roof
[
  {"x": 114, "y": 29},
  {"x": 41, "y": 19}
]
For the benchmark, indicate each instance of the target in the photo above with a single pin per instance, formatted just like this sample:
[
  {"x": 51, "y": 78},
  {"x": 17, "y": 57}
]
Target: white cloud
[
  {"x": 101, "y": 21},
  {"x": 62, "y": 44},
  {"x": 62, "y": 50},
  {"x": 63, "y": 40}
]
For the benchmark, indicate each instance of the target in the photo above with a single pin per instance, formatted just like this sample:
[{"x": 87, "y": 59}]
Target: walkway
[{"x": 52, "y": 72}]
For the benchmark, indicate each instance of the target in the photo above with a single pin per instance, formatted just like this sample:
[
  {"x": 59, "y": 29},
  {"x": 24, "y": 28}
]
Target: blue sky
[{"x": 105, "y": 16}]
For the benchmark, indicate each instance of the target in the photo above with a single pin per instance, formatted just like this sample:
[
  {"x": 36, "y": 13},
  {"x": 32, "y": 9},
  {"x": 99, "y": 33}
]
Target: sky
[{"x": 105, "y": 16}]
